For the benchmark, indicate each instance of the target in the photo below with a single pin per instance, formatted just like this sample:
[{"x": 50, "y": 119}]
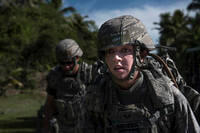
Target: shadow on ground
[{"x": 19, "y": 125}]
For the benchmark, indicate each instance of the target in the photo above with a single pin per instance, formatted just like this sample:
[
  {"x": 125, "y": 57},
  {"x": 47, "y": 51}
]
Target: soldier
[
  {"x": 66, "y": 86},
  {"x": 133, "y": 96}
]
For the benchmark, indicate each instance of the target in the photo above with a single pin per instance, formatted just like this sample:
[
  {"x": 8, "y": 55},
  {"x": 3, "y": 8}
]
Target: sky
[{"x": 148, "y": 11}]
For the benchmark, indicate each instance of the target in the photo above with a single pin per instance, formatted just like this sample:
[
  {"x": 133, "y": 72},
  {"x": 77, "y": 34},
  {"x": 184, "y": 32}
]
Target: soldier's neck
[{"x": 126, "y": 84}]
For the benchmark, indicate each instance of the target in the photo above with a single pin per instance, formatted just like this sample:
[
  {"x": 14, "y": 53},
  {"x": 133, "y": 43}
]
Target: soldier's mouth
[
  {"x": 119, "y": 69},
  {"x": 68, "y": 67}
]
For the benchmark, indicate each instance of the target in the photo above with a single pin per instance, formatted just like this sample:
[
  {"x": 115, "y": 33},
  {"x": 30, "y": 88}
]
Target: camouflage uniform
[
  {"x": 152, "y": 105},
  {"x": 66, "y": 88},
  {"x": 190, "y": 93}
]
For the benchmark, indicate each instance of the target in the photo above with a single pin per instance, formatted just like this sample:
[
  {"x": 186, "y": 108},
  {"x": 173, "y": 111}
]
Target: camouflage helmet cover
[
  {"x": 67, "y": 49},
  {"x": 123, "y": 30}
]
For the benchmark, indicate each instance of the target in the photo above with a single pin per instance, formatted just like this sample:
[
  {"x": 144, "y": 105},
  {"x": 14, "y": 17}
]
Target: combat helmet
[
  {"x": 67, "y": 49},
  {"x": 123, "y": 30}
]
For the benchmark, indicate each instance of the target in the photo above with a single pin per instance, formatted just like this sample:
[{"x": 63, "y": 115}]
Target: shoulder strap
[
  {"x": 53, "y": 76},
  {"x": 190, "y": 93},
  {"x": 85, "y": 72},
  {"x": 160, "y": 88},
  {"x": 95, "y": 97}
]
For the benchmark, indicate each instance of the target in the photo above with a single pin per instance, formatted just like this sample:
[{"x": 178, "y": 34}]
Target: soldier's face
[
  {"x": 69, "y": 65},
  {"x": 120, "y": 60}
]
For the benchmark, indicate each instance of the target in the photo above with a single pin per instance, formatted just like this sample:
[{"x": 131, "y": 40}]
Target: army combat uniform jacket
[
  {"x": 151, "y": 105},
  {"x": 68, "y": 91},
  {"x": 192, "y": 96}
]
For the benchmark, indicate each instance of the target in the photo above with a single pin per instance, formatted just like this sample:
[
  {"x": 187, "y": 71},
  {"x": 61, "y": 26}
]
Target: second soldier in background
[{"x": 66, "y": 85}]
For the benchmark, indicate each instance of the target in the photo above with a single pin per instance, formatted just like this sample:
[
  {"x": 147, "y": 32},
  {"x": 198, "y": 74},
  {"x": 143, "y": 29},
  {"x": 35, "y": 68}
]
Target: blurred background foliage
[
  {"x": 182, "y": 31},
  {"x": 29, "y": 32},
  {"x": 30, "y": 29}
]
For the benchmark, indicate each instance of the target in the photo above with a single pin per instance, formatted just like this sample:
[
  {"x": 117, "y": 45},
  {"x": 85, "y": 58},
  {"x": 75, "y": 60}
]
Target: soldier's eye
[
  {"x": 126, "y": 50},
  {"x": 110, "y": 51},
  {"x": 66, "y": 63}
]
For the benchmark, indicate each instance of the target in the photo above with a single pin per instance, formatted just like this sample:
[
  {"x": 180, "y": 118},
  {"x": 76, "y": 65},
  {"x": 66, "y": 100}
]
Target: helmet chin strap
[{"x": 136, "y": 63}]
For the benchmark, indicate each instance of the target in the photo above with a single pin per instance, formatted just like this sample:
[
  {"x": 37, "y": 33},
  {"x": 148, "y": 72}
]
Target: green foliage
[
  {"x": 29, "y": 32},
  {"x": 85, "y": 33},
  {"x": 183, "y": 32},
  {"x": 18, "y": 113}
]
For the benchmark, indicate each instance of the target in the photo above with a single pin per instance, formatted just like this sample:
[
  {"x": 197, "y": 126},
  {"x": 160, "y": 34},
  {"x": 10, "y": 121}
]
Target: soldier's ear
[{"x": 77, "y": 58}]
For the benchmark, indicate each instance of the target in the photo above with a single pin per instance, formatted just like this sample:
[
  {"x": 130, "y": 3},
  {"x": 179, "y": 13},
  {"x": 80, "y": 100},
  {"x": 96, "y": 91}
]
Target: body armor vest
[
  {"x": 68, "y": 100},
  {"x": 129, "y": 119},
  {"x": 138, "y": 118},
  {"x": 69, "y": 93}
]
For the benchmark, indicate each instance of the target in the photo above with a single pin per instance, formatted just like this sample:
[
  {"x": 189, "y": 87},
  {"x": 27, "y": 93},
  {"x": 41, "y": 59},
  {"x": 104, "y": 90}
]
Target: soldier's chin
[
  {"x": 120, "y": 79},
  {"x": 66, "y": 69}
]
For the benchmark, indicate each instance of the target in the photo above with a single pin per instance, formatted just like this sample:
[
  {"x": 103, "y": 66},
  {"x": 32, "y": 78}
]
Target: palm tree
[
  {"x": 174, "y": 32},
  {"x": 194, "y": 22},
  {"x": 85, "y": 32},
  {"x": 172, "y": 28},
  {"x": 194, "y": 6},
  {"x": 57, "y": 4},
  {"x": 14, "y": 3}
]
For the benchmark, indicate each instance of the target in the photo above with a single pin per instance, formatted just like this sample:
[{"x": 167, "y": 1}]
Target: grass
[{"x": 18, "y": 113}]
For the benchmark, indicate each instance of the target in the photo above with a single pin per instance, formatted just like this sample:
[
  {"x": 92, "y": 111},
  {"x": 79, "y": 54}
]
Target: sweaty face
[{"x": 120, "y": 60}]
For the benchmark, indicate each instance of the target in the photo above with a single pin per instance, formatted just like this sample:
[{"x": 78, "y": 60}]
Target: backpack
[{"x": 168, "y": 68}]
